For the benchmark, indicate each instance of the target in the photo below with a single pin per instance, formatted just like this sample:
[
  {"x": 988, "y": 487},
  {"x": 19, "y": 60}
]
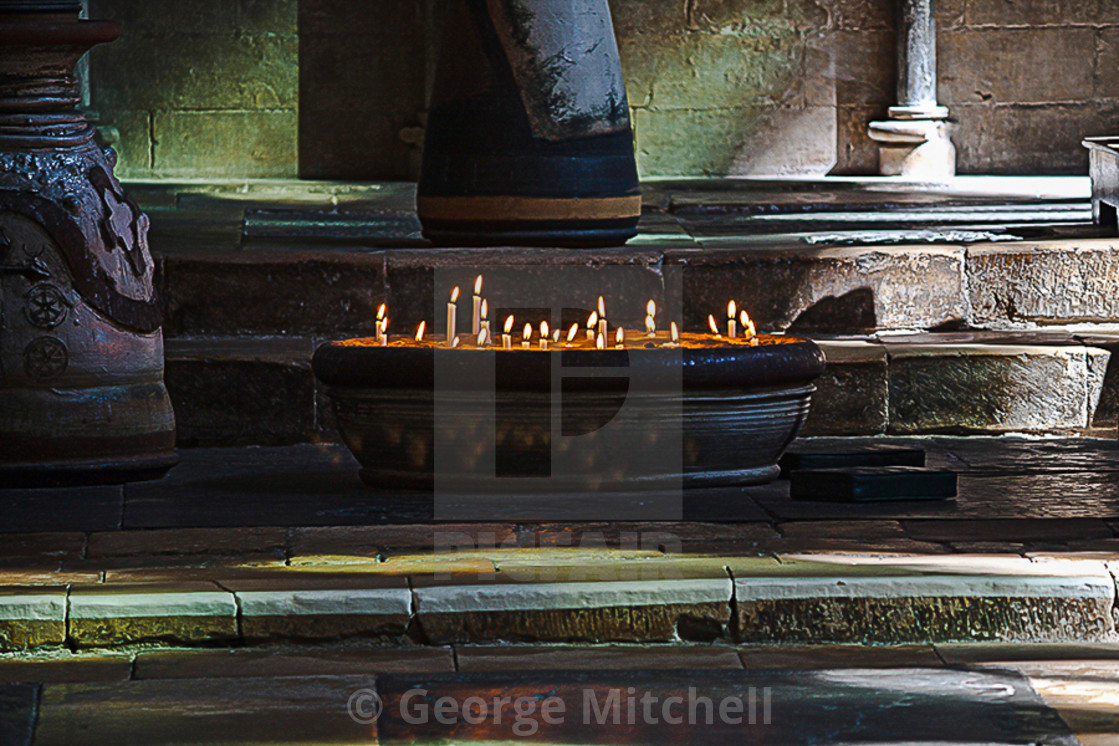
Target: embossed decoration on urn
[{"x": 81, "y": 352}]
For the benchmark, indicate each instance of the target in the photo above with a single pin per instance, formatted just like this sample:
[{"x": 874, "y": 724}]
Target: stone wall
[
  {"x": 212, "y": 87},
  {"x": 200, "y": 88}
]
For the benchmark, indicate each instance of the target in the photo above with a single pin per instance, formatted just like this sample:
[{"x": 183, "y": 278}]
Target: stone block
[
  {"x": 599, "y": 657},
  {"x": 991, "y": 388},
  {"x": 227, "y": 144},
  {"x": 663, "y": 611},
  {"x": 1049, "y": 282},
  {"x": 364, "y": 542},
  {"x": 922, "y": 609},
  {"x": 227, "y": 71},
  {"x": 1047, "y": 138},
  {"x": 70, "y": 668},
  {"x": 1056, "y": 13},
  {"x": 984, "y": 65},
  {"x": 238, "y": 393},
  {"x": 650, "y": 18},
  {"x": 827, "y": 290},
  {"x": 862, "y": 65},
  {"x": 304, "y": 606},
  {"x": 32, "y": 617},
  {"x": 865, "y": 14},
  {"x": 851, "y": 396},
  {"x": 47, "y": 547},
  {"x": 182, "y": 613},
  {"x": 296, "y": 293}
]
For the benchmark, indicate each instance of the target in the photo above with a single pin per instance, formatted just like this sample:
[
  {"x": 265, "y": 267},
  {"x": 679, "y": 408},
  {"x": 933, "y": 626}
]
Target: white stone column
[{"x": 915, "y": 141}]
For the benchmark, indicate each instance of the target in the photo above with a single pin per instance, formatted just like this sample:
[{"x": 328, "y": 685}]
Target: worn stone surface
[
  {"x": 18, "y": 708},
  {"x": 257, "y": 710},
  {"x": 599, "y": 657},
  {"x": 836, "y": 290},
  {"x": 943, "y": 388},
  {"x": 839, "y": 656},
  {"x": 68, "y": 668},
  {"x": 1049, "y": 282},
  {"x": 292, "y": 661},
  {"x": 47, "y": 547},
  {"x": 1009, "y": 529},
  {"x": 187, "y": 541},
  {"x": 994, "y": 653},
  {"x": 851, "y": 396},
  {"x": 189, "y": 613},
  {"x": 32, "y": 617},
  {"x": 241, "y": 392},
  {"x": 297, "y": 292},
  {"x": 357, "y": 543}
]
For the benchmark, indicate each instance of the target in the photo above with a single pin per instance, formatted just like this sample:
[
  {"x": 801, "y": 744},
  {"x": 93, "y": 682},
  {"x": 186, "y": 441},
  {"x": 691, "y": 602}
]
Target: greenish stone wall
[
  {"x": 200, "y": 88},
  {"x": 337, "y": 88}
]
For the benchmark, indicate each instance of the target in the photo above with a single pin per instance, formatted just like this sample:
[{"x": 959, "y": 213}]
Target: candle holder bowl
[{"x": 738, "y": 407}]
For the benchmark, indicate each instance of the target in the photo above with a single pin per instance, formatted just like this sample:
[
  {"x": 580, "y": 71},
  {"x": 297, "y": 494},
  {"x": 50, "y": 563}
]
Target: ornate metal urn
[
  {"x": 528, "y": 140},
  {"x": 81, "y": 352}
]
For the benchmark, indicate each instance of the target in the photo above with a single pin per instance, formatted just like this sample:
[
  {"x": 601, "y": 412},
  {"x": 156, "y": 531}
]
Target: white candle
[
  {"x": 592, "y": 322},
  {"x": 383, "y": 334},
  {"x": 482, "y": 338},
  {"x": 485, "y": 318},
  {"x": 602, "y": 327},
  {"x": 476, "y": 323},
  {"x": 732, "y": 330},
  {"x": 507, "y": 336},
  {"x": 452, "y": 320},
  {"x": 380, "y": 318},
  {"x": 651, "y": 318},
  {"x": 543, "y": 335},
  {"x": 620, "y": 339},
  {"x": 526, "y": 337}
]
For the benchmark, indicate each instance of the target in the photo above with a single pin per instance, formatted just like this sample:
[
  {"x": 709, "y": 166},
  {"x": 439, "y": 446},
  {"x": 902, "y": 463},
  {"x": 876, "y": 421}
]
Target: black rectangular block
[{"x": 872, "y": 484}]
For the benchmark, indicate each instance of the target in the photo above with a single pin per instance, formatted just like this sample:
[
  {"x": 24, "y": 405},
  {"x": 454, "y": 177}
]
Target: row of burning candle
[{"x": 597, "y": 327}]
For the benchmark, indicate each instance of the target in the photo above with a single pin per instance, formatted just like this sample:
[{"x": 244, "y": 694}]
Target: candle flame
[
  {"x": 711, "y": 323},
  {"x": 675, "y": 333},
  {"x": 509, "y": 325},
  {"x": 478, "y": 286},
  {"x": 381, "y": 312},
  {"x": 592, "y": 320},
  {"x": 748, "y": 327},
  {"x": 601, "y": 307},
  {"x": 731, "y": 310},
  {"x": 556, "y": 336},
  {"x": 420, "y": 331},
  {"x": 651, "y": 308},
  {"x": 650, "y": 325},
  {"x": 454, "y": 343},
  {"x": 454, "y": 295},
  {"x": 527, "y": 333},
  {"x": 485, "y": 309},
  {"x": 620, "y": 337},
  {"x": 481, "y": 338},
  {"x": 543, "y": 329},
  {"x": 572, "y": 332},
  {"x": 600, "y": 342}
]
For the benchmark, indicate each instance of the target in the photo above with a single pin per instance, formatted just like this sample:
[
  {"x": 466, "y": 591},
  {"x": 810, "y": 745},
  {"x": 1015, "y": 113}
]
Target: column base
[{"x": 919, "y": 149}]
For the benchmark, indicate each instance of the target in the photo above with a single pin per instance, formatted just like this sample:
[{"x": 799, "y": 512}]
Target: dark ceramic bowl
[{"x": 738, "y": 407}]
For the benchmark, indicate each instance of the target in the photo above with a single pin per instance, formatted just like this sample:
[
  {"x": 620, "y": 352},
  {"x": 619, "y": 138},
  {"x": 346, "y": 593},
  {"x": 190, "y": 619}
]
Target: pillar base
[{"x": 915, "y": 148}]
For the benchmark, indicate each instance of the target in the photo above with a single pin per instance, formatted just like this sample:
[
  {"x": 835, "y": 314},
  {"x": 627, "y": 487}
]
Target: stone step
[
  {"x": 821, "y": 257},
  {"x": 261, "y": 391},
  {"x": 541, "y": 597},
  {"x": 308, "y": 290}
]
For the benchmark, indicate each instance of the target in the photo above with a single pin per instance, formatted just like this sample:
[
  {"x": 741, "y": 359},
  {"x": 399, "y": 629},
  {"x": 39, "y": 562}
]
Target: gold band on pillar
[{"x": 510, "y": 208}]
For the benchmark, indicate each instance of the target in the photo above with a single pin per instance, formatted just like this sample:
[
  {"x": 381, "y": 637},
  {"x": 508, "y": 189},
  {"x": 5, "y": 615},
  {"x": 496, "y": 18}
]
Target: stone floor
[{"x": 264, "y": 595}]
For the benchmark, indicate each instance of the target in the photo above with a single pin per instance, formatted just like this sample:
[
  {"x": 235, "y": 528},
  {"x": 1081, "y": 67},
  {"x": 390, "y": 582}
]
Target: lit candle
[
  {"x": 454, "y": 343},
  {"x": 651, "y": 318},
  {"x": 674, "y": 336},
  {"x": 620, "y": 339},
  {"x": 482, "y": 338},
  {"x": 748, "y": 328},
  {"x": 526, "y": 336},
  {"x": 600, "y": 342},
  {"x": 713, "y": 324},
  {"x": 384, "y": 332},
  {"x": 592, "y": 322},
  {"x": 476, "y": 324},
  {"x": 543, "y": 335},
  {"x": 452, "y": 321},
  {"x": 420, "y": 331},
  {"x": 602, "y": 327},
  {"x": 507, "y": 336},
  {"x": 380, "y": 318},
  {"x": 732, "y": 331},
  {"x": 485, "y": 319},
  {"x": 571, "y": 333}
]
